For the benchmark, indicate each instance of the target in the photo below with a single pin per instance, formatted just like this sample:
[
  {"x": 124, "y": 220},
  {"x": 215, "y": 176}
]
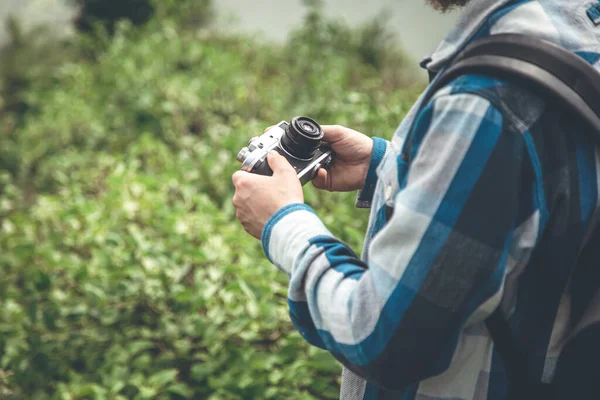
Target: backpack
[{"x": 558, "y": 75}]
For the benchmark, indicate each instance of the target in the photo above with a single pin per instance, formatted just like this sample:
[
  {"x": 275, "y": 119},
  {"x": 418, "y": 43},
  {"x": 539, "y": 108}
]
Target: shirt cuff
[
  {"x": 287, "y": 233},
  {"x": 365, "y": 195}
]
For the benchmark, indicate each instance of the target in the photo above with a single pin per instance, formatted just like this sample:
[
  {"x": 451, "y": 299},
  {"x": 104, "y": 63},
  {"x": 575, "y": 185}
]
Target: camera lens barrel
[{"x": 302, "y": 138}]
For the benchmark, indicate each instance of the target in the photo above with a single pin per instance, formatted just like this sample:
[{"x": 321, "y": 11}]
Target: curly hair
[{"x": 446, "y": 5}]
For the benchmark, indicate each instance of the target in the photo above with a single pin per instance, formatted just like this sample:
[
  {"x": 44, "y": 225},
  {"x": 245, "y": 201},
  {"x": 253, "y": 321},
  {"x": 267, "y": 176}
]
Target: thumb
[
  {"x": 334, "y": 133},
  {"x": 321, "y": 181},
  {"x": 279, "y": 164}
]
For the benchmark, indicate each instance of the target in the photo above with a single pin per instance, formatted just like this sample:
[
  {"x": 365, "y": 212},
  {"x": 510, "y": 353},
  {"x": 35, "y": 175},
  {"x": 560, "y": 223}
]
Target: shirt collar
[{"x": 472, "y": 17}]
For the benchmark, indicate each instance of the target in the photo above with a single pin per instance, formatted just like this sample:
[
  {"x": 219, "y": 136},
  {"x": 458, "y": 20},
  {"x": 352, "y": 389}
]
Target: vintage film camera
[{"x": 300, "y": 142}]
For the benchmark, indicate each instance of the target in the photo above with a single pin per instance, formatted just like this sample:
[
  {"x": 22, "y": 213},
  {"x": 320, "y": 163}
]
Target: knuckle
[
  {"x": 235, "y": 177},
  {"x": 339, "y": 129},
  {"x": 243, "y": 185},
  {"x": 241, "y": 182},
  {"x": 334, "y": 132}
]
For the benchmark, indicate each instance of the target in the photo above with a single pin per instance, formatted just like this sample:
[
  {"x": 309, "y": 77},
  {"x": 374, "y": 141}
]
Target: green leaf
[
  {"x": 201, "y": 371},
  {"x": 181, "y": 390},
  {"x": 136, "y": 347},
  {"x": 161, "y": 378}
]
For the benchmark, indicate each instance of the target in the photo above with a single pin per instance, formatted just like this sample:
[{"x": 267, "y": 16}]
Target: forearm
[
  {"x": 323, "y": 271},
  {"x": 363, "y": 316}
]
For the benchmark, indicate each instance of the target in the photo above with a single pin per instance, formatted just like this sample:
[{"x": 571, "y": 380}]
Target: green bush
[{"x": 124, "y": 272}]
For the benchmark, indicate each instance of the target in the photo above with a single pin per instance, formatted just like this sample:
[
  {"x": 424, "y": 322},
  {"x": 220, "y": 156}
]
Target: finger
[
  {"x": 320, "y": 181},
  {"x": 279, "y": 164},
  {"x": 272, "y": 126},
  {"x": 334, "y": 133},
  {"x": 237, "y": 176}
]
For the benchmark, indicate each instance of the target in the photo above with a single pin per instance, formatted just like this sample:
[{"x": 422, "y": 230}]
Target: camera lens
[
  {"x": 308, "y": 128},
  {"x": 302, "y": 138}
]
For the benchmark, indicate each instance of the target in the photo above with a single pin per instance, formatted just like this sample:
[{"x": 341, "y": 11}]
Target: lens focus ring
[
  {"x": 307, "y": 127},
  {"x": 302, "y": 138}
]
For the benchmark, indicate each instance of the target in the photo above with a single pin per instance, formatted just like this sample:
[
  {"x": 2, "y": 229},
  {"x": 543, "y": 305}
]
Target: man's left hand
[{"x": 258, "y": 197}]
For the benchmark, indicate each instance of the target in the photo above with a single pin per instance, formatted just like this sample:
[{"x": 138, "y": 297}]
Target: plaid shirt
[{"x": 487, "y": 205}]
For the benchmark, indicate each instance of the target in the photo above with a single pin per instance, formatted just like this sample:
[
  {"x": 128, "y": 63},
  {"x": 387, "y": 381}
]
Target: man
[{"x": 487, "y": 205}]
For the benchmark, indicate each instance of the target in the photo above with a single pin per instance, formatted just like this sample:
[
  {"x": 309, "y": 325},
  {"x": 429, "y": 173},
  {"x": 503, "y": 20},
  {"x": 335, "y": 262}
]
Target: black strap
[
  {"x": 521, "y": 385},
  {"x": 556, "y": 75},
  {"x": 541, "y": 66},
  {"x": 507, "y": 346}
]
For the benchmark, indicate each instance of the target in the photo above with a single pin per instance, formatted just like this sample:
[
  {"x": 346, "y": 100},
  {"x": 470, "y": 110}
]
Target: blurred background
[
  {"x": 124, "y": 274},
  {"x": 274, "y": 19}
]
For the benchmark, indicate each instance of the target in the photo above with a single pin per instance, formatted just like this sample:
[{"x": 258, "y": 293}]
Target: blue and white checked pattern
[{"x": 499, "y": 196}]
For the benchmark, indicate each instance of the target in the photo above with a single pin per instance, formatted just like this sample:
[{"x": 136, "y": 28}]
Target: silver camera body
[{"x": 301, "y": 146}]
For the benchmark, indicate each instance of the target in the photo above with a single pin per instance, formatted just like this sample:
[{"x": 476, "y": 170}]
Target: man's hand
[
  {"x": 351, "y": 161},
  {"x": 258, "y": 197}
]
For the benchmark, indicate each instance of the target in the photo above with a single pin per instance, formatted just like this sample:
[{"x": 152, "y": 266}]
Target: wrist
[
  {"x": 275, "y": 219},
  {"x": 276, "y": 207},
  {"x": 365, "y": 165},
  {"x": 366, "y": 193}
]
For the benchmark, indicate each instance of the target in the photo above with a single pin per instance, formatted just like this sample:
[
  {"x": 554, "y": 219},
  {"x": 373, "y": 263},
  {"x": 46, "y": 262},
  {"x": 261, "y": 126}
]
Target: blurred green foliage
[
  {"x": 20, "y": 65},
  {"x": 107, "y": 13},
  {"x": 124, "y": 272}
]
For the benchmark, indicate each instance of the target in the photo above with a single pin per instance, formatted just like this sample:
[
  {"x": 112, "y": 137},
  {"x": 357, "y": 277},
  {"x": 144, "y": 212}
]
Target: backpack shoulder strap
[
  {"x": 558, "y": 76},
  {"x": 511, "y": 353},
  {"x": 543, "y": 67}
]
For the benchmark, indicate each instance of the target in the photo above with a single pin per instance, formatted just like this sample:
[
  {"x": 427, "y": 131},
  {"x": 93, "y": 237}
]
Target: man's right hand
[{"x": 352, "y": 157}]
